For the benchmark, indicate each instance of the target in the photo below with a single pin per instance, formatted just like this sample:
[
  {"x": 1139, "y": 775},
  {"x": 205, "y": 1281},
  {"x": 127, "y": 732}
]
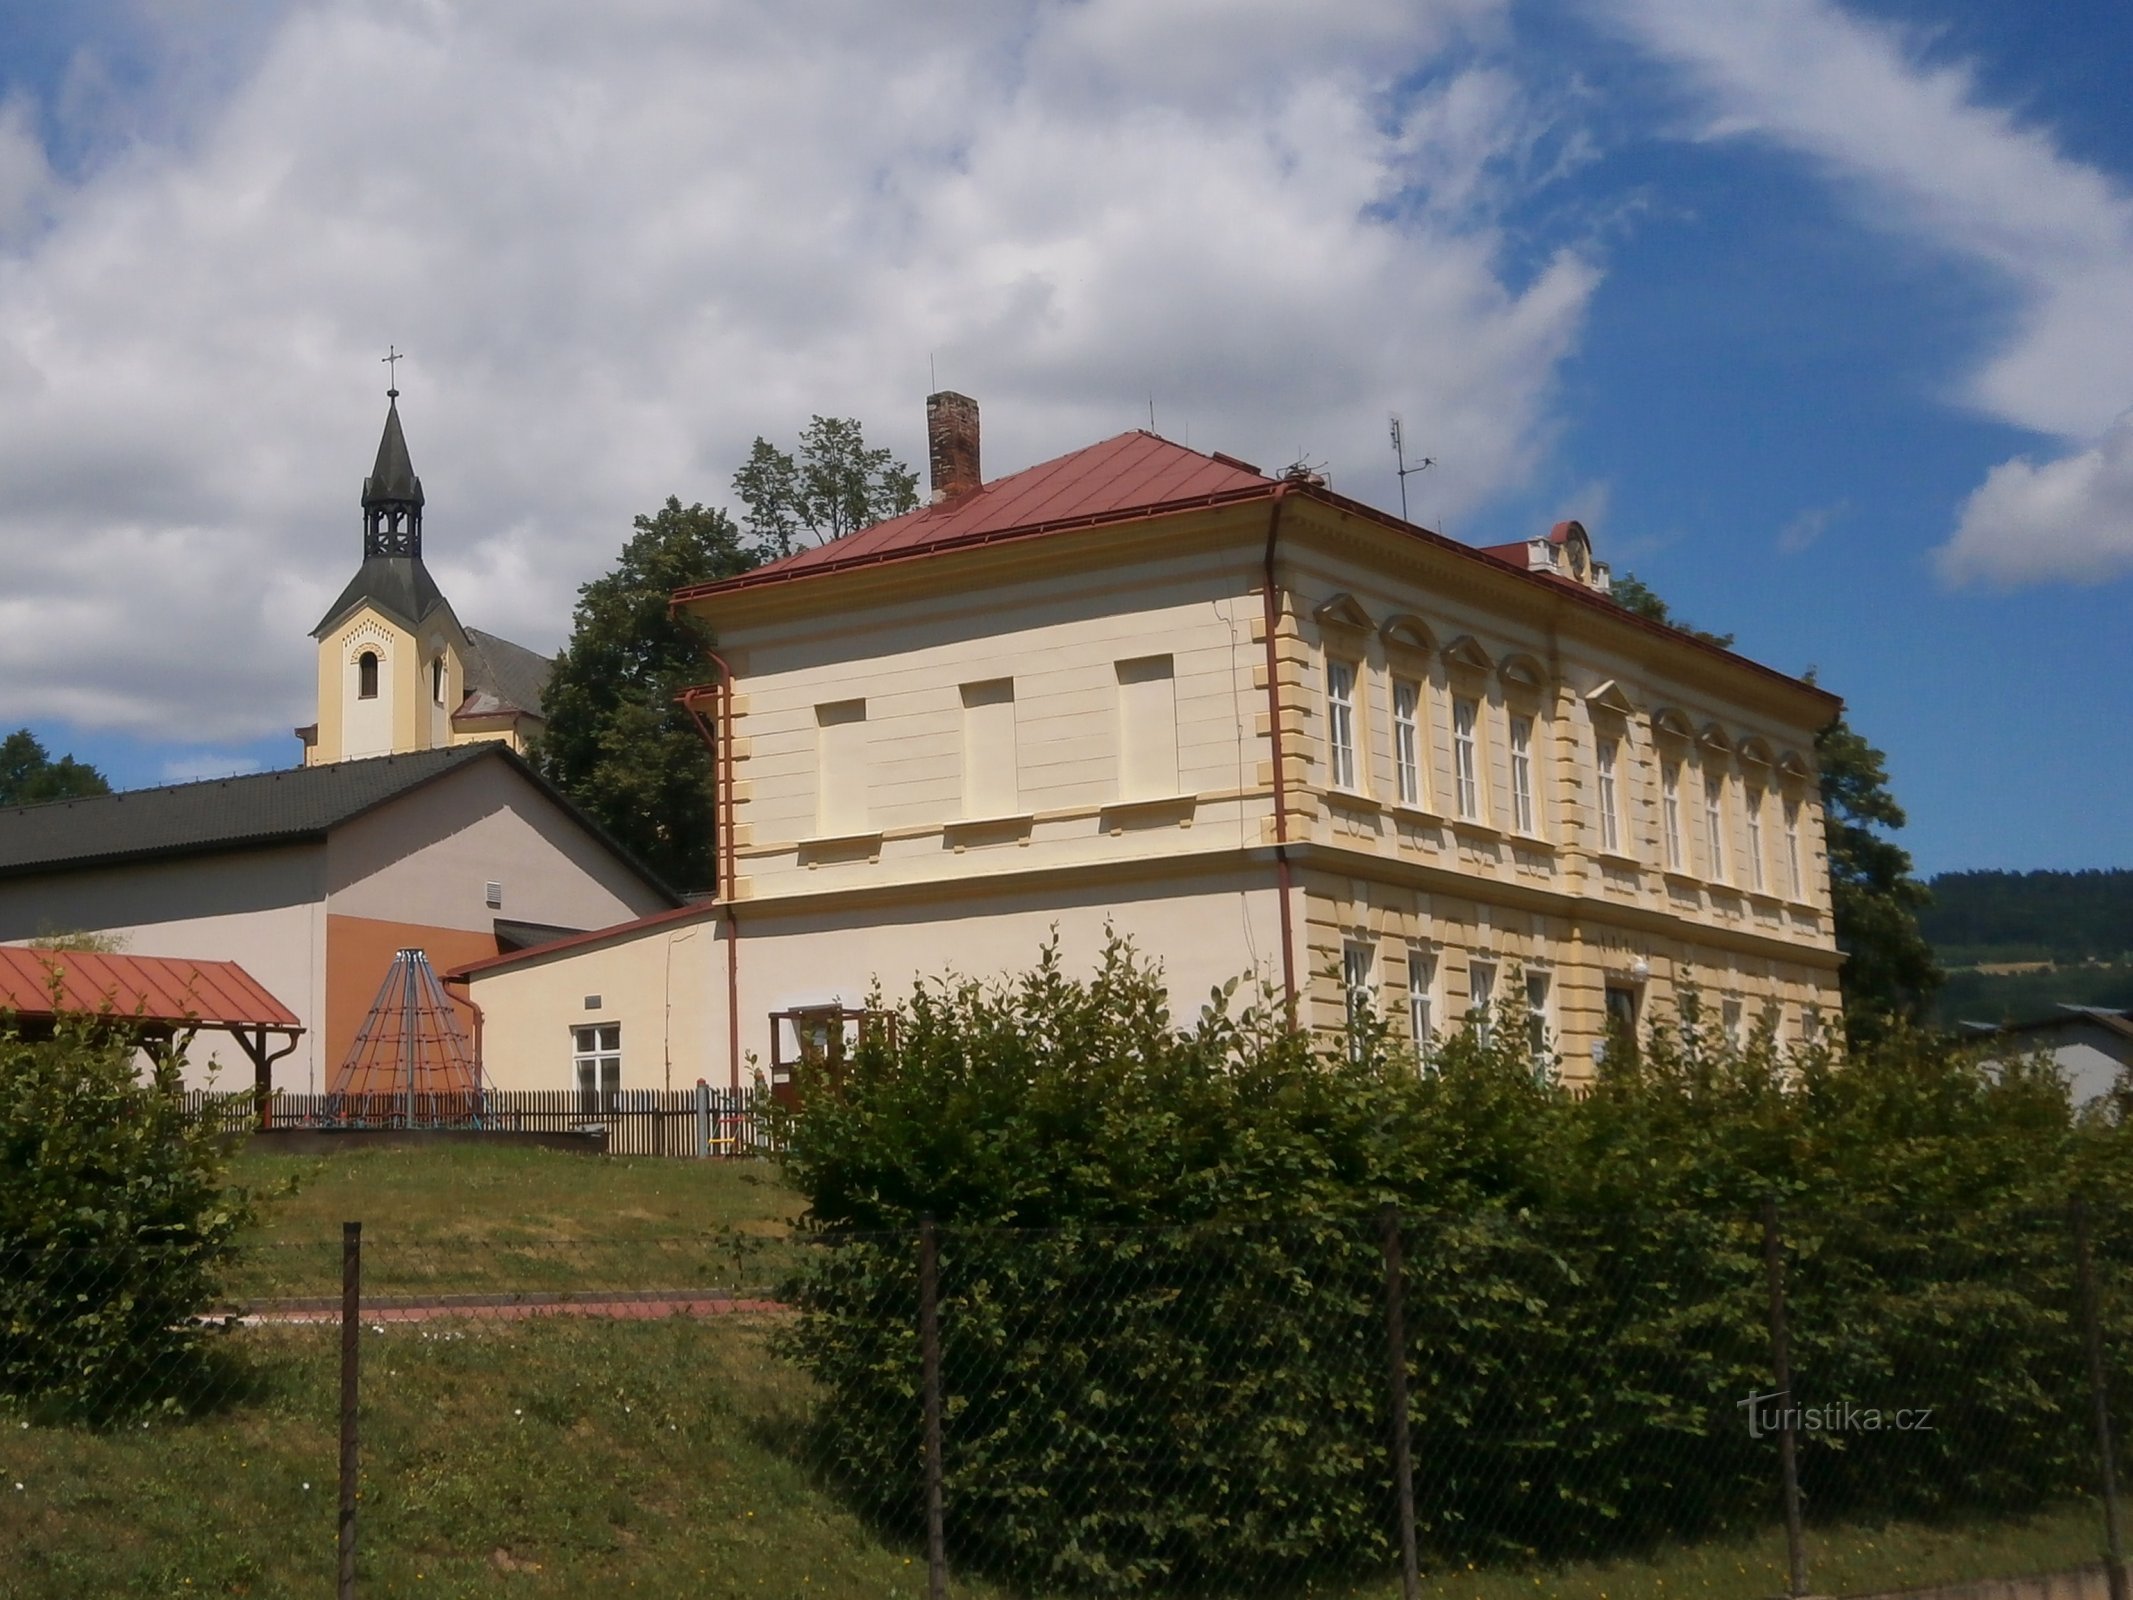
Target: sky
[{"x": 1819, "y": 315}]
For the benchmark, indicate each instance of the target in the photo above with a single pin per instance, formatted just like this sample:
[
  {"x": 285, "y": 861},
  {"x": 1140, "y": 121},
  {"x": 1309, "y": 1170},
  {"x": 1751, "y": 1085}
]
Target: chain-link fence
[{"x": 1719, "y": 1403}]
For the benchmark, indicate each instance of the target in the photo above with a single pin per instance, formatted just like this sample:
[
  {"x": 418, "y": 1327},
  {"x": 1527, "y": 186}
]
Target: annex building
[{"x": 1262, "y": 729}]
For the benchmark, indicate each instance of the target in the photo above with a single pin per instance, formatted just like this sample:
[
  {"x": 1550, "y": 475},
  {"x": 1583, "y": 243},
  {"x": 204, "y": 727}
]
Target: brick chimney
[{"x": 952, "y": 444}]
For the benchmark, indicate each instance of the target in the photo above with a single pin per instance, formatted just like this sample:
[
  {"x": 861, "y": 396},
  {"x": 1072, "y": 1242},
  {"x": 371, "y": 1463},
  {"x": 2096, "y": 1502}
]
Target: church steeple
[{"x": 392, "y": 494}]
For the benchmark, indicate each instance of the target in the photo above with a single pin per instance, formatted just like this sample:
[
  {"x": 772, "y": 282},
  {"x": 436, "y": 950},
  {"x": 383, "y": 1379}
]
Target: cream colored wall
[
  {"x": 404, "y": 715},
  {"x": 666, "y": 984},
  {"x": 1059, "y": 636},
  {"x": 429, "y": 856},
  {"x": 262, "y": 909}
]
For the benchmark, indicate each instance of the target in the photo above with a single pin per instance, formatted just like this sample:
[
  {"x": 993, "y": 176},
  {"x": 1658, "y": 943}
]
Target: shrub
[
  {"x": 114, "y": 1221},
  {"x": 1161, "y": 1290}
]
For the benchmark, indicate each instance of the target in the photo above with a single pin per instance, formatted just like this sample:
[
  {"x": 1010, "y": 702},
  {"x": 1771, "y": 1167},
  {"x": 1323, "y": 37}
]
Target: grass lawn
[{"x": 469, "y": 1219}]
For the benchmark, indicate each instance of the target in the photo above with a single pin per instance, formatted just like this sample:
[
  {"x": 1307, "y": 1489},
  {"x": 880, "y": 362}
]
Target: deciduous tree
[
  {"x": 831, "y": 486},
  {"x": 29, "y": 775}
]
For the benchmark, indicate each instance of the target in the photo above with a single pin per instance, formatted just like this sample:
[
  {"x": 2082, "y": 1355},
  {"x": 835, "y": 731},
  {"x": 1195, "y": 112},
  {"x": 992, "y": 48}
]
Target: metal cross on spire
[{"x": 391, "y": 358}]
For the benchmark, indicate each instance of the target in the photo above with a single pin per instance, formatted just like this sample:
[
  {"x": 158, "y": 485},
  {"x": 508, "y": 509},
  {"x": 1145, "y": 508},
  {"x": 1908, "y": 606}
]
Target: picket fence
[{"x": 634, "y": 1122}]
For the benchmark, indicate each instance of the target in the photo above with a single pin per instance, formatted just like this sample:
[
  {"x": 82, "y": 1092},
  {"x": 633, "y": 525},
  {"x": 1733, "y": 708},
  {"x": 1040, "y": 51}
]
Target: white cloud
[
  {"x": 620, "y": 241},
  {"x": 1806, "y": 528},
  {"x": 1926, "y": 156},
  {"x": 208, "y": 764},
  {"x": 2070, "y": 519}
]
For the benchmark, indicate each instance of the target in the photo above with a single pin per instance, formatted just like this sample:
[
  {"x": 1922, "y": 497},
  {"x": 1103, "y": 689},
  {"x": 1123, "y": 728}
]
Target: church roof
[
  {"x": 399, "y": 586},
  {"x": 502, "y": 676},
  {"x": 393, "y": 478},
  {"x": 298, "y": 805}
]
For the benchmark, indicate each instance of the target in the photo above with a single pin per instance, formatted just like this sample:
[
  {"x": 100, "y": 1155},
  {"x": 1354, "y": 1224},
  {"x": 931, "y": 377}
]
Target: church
[{"x": 414, "y": 822}]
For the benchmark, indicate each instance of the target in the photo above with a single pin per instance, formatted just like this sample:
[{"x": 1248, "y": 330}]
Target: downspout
[
  {"x": 1282, "y": 874},
  {"x": 461, "y": 981},
  {"x": 726, "y": 875}
]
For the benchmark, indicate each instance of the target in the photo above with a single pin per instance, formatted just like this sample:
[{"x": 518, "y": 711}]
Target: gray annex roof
[
  {"x": 294, "y": 806},
  {"x": 399, "y": 586},
  {"x": 511, "y": 677}
]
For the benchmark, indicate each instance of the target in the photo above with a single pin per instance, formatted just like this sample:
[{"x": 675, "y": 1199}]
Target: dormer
[{"x": 1565, "y": 552}]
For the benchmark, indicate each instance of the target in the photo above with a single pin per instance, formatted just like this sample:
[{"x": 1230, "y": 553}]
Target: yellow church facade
[{"x": 1262, "y": 730}]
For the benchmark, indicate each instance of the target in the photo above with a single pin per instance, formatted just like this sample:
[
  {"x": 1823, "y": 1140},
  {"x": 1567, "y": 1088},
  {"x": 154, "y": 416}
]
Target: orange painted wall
[{"x": 359, "y": 950}]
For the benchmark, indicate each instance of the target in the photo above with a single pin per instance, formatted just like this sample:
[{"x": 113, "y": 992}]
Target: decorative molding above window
[
  {"x": 1610, "y": 696},
  {"x": 1793, "y": 765},
  {"x": 1522, "y": 672},
  {"x": 1666, "y": 720},
  {"x": 1714, "y": 737},
  {"x": 1407, "y": 630},
  {"x": 1465, "y": 651},
  {"x": 1756, "y": 750},
  {"x": 1342, "y": 611}
]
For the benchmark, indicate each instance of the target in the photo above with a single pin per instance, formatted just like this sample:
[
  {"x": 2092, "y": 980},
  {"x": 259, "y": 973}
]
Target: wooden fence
[{"x": 636, "y": 1122}]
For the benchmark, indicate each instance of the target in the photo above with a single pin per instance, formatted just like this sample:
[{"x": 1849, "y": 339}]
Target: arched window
[
  {"x": 437, "y": 679},
  {"x": 367, "y": 675}
]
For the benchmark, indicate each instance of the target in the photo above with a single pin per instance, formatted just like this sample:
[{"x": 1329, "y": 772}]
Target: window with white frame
[
  {"x": 1795, "y": 884},
  {"x": 1729, "y": 1019},
  {"x": 1714, "y": 822},
  {"x": 1421, "y": 1001},
  {"x": 1522, "y": 774},
  {"x": 1810, "y": 1025},
  {"x": 1752, "y": 801},
  {"x": 1340, "y": 723},
  {"x": 1609, "y": 804},
  {"x": 1407, "y": 740},
  {"x": 1670, "y": 812},
  {"x": 1356, "y": 961},
  {"x": 596, "y": 1066},
  {"x": 1481, "y": 997},
  {"x": 1537, "y": 987},
  {"x": 990, "y": 788},
  {"x": 1466, "y": 758}
]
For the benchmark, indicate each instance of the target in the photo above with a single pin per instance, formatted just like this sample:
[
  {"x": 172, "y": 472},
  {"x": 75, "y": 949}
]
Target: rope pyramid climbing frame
[{"x": 410, "y": 1061}]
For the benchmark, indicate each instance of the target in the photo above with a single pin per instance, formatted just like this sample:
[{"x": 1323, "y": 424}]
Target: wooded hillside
[{"x": 2030, "y": 916}]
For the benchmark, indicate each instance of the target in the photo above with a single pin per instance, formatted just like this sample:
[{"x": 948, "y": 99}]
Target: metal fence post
[
  {"x": 1403, "y": 1476},
  {"x": 703, "y": 1118},
  {"x": 1781, "y": 1371},
  {"x": 2100, "y": 1397},
  {"x": 929, "y": 1355},
  {"x": 351, "y": 1356}
]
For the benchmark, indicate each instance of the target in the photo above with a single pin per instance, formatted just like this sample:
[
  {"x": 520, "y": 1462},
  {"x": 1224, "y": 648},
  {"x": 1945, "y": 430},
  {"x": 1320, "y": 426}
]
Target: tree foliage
[
  {"x": 29, "y": 776},
  {"x": 1161, "y": 1288},
  {"x": 1889, "y": 972},
  {"x": 116, "y": 1220},
  {"x": 2030, "y": 916},
  {"x": 832, "y": 485},
  {"x": 1632, "y": 594},
  {"x": 616, "y": 741}
]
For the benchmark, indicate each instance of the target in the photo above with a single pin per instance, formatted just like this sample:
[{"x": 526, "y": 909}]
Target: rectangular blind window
[
  {"x": 1466, "y": 760},
  {"x": 1610, "y": 824},
  {"x": 1340, "y": 723},
  {"x": 1421, "y": 1018},
  {"x": 841, "y": 767},
  {"x": 1522, "y": 774},
  {"x": 1670, "y": 812},
  {"x": 1147, "y": 729},
  {"x": 1754, "y": 802},
  {"x": 1714, "y": 822},
  {"x": 1795, "y": 885},
  {"x": 989, "y": 787},
  {"x": 1407, "y": 741}
]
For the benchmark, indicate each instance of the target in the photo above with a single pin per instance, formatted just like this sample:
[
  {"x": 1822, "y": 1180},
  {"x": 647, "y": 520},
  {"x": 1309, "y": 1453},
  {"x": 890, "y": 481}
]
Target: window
[
  {"x": 1753, "y": 801},
  {"x": 841, "y": 767},
  {"x": 1522, "y": 774},
  {"x": 1480, "y": 996},
  {"x": 1340, "y": 723},
  {"x": 1355, "y": 980},
  {"x": 989, "y": 788},
  {"x": 1670, "y": 812},
  {"x": 1810, "y": 1025},
  {"x": 1610, "y": 815},
  {"x": 367, "y": 675},
  {"x": 1147, "y": 729},
  {"x": 1537, "y": 1014},
  {"x": 1795, "y": 885},
  {"x": 1622, "y": 1010},
  {"x": 1729, "y": 1015},
  {"x": 1421, "y": 1007},
  {"x": 1714, "y": 822},
  {"x": 1407, "y": 740},
  {"x": 596, "y": 1062},
  {"x": 1466, "y": 759},
  {"x": 437, "y": 679}
]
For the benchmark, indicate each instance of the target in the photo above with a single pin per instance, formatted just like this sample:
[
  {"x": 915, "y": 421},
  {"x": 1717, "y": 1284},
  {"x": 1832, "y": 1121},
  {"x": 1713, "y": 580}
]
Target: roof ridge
[{"x": 240, "y": 777}]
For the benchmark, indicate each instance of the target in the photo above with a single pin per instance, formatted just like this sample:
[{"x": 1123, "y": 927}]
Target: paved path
[{"x": 639, "y": 1305}]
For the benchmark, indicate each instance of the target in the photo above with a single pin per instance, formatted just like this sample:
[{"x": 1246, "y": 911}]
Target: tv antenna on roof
[{"x": 1399, "y": 456}]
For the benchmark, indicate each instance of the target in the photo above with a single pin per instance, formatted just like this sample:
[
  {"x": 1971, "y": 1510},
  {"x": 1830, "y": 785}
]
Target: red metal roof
[
  {"x": 1136, "y": 471},
  {"x": 177, "y": 990}
]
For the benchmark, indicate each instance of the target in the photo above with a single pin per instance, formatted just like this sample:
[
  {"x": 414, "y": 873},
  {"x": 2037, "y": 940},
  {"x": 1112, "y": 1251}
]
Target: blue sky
[{"x": 1819, "y": 314}]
